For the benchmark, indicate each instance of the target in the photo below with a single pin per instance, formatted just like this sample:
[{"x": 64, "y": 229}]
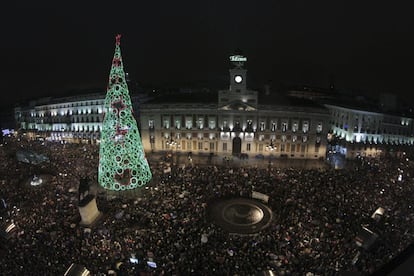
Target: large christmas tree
[{"x": 122, "y": 164}]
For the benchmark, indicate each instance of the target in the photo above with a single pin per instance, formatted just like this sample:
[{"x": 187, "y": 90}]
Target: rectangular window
[
  {"x": 212, "y": 124},
  {"x": 200, "y": 124},
  {"x": 282, "y": 147},
  {"x": 262, "y": 126},
  {"x": 303, "y": 148},
  {"x": 211, "y": 146},
  {"x": 284, "y": 126},
  {"x": 166, "y": 123},
  {"x": 295, "y": 126},
  {"x": 249, "y": 126},
  {"x": 260, "y": 147},
  {"x": 237, "y": 126},
  {"x": 177, "y": 123},
  {"x": 319, "y": 127},
  {"x": 188, "y": 123},
  {"x": 225, "y": 125},
  {"x": 248, "y": 146},
  {"x": 274, "y": 126},
  {"x": 305, "y": 126},
  {"x": 151, "y": 124},
  {"x": 224, "y": 147},
  {"x": 200, "y": 145}
]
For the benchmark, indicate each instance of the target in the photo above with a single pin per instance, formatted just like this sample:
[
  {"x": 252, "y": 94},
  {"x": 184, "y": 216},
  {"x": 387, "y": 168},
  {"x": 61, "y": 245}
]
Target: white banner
[{"x": 260, "y": 196}]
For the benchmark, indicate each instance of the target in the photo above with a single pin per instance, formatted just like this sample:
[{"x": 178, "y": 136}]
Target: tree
[{"x": 122, "y": 163}]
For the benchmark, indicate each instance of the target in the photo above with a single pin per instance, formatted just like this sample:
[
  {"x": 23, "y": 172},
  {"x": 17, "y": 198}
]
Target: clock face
[{"x": 238, "y": 79}]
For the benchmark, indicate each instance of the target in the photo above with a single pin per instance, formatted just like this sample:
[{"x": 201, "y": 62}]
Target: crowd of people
[{"x": 164, "y": 229}]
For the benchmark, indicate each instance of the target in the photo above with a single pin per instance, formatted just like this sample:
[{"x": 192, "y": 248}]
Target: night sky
[{"x": 47, "y": 49}]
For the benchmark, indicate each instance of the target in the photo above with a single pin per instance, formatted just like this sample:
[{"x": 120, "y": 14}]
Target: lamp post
[
  {"x": 270, "y": 148},
  {"x": 172, "y": 144}
]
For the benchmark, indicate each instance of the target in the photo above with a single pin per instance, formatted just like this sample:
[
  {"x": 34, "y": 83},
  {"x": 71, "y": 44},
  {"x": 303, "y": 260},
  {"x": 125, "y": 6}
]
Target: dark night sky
[{"x": 46, "y": 49}]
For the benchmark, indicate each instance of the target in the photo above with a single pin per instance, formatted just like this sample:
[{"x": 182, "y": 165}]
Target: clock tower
[
  {"x": 237, "y": 97},
  {"x": 238, "y": 74}
]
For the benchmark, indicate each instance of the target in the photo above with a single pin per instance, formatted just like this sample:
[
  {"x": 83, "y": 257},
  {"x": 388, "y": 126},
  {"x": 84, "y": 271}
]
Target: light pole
[
  {"x": 270, "y": 148},
  {"x": 172, "y": 144}
]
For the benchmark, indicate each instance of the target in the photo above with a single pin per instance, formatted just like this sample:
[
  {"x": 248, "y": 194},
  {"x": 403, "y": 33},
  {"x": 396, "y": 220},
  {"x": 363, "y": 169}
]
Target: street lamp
[
  {"x": 171, "y": 143},
  {"x": 271, "y": 147}
]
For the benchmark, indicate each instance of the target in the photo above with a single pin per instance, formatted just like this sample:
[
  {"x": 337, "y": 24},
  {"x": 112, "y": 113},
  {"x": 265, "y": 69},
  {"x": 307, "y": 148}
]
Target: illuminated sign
[{"x": 238, "y": 58}]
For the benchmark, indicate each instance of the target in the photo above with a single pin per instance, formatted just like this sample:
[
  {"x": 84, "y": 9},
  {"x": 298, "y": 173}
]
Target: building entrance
[{"x": 236, "y": 146}]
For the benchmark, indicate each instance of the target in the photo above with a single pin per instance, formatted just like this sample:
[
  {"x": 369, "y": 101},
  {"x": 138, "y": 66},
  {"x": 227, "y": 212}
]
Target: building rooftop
[{"x": 209, "y": 99}]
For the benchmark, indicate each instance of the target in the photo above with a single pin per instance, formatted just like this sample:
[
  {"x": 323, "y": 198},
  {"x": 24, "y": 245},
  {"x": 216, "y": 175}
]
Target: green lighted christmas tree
[{"x": 122, "y": 164}]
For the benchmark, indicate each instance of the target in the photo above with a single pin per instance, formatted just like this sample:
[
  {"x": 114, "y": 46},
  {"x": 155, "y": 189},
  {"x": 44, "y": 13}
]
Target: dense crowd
[{"x": 317, "y": 214}]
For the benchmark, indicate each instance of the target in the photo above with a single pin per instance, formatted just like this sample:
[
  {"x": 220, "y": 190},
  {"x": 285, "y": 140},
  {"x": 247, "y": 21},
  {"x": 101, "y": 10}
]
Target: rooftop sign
[{"x": 238, "y": 58}]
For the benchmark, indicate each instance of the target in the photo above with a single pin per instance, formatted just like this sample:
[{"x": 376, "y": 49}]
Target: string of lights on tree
[{"x": 122, "y": 163}]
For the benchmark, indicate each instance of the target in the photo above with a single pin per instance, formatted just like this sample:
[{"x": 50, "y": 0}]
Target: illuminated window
[
  {"x": 225, "y": 125},
  {"x": 189, "y": 123},
  {"x": 319, "y": 127},
  {"x": 295, "y": 126},
  {"x": 166, "y": 123},
  {"x": 305, "y": 126},
  {"x": 284, "y": 126},
  {"x": 200, "y": 123},
  {"x": 177, "y": 123},
  {"x": 237, "y": 126},
  {"x": 212, "y": 124},
  {"x": 262, "y": 126},
  {"x": 274, "y": 126},
  {"x": 249, "y": 126}
]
